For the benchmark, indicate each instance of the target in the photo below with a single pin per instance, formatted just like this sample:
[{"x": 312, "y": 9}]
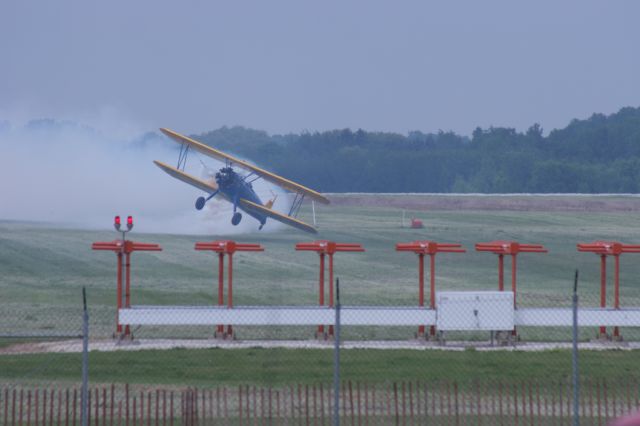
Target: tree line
[{"x": 599, "y": 154}]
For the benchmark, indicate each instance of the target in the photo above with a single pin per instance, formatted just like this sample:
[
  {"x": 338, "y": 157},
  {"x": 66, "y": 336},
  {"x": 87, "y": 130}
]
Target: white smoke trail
[{"x": 67, "y": 173}]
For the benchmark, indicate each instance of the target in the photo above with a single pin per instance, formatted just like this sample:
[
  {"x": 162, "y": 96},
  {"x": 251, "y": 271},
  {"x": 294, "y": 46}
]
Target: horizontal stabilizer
[
  {"x": 264, "y": 174},
  {"x": 203, "y": 185},
  {"x": 287, "y": 220}
]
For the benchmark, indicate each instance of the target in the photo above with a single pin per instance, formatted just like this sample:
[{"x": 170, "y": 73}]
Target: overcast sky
[{"x": 288, "y": 66}]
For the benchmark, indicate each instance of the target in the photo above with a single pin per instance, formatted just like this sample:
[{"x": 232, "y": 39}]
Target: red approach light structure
[
  {"x": 431, "y": 248},
  {"x": 604, "y": 249},
  {"x": 123, "y": 249},
  {"x": 512, "y": 248},
  {"x": 226, "y": 247},
  {"x": 327, "y": 248}
]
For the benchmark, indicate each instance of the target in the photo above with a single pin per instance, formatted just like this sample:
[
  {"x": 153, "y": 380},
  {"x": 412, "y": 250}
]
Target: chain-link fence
[{"x": 466, "y": 363}]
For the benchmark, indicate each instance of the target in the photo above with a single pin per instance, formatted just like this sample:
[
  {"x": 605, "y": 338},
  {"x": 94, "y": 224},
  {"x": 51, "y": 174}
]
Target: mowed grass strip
[{"x": 214, "y": 367}]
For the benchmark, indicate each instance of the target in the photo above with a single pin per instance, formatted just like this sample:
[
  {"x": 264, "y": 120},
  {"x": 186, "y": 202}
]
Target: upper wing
[
  {"x": 287, "y": 220},
  {"x": 203, "y": 185},
  {"x": 266, "y": 175}
]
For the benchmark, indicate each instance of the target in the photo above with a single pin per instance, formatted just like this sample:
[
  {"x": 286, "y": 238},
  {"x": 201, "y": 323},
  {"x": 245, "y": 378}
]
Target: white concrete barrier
[
  {"x": 587, "y": 317},
  {"x": 275, "y": 315},
  {"x": 377, "y": 316}
]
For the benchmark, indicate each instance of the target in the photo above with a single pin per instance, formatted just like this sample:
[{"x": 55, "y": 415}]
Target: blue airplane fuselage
[{"x": 235, "y": 188}]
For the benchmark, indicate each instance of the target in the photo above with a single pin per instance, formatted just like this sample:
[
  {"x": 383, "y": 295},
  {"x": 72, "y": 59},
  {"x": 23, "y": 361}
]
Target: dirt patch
[
  {"x": 559, "y": 203},
  {"x": 167, "y": 344}
]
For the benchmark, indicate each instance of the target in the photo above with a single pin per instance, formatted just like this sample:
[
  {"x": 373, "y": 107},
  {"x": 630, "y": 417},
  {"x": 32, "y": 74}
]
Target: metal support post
[
  {"x": 220, "y": 328},
  {"x": 501, "y": 272},
  {"x": 603, "y": 290},
  {"x": 119, "y": 294},
  {"x": 421, "y": 328},
  {"x": 616, "y": 293},
  {"x": 230, "y": 291},
  {"x": 321, "y": 293},
  {"x": 336, "y": 361},
  {"x": 331, "y": 328},
  {"x": 84, "y": 409},
  {"x": 127, "y": 291},
  {"x": 432, "y": 289},
  {"x": 122, "y": 331},
  {"x": 576, "y": 378},
  {"x": 514, "y": 274}
]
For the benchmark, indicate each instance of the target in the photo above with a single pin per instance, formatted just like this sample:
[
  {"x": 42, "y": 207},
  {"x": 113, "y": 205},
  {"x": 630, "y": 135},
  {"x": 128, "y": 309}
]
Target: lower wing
[
  {"x": 287, "y": 220},
  {"x": 206, "y": 186}
]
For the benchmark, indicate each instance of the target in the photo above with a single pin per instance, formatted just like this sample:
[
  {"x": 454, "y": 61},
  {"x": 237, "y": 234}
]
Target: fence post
[
  {"x": 85, "y": 361},
  {"x": 576, "y": 380},
  {"x": 336, "y": 360}
]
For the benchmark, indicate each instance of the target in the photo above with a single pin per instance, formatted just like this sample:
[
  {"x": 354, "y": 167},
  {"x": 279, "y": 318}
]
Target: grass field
[
  {"x": 44, "y": 268},
  {"x": 209, "y": 367}
]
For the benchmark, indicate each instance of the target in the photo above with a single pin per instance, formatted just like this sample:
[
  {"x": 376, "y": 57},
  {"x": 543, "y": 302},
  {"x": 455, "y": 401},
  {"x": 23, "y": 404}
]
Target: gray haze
[{"x": 288, "y": 66}]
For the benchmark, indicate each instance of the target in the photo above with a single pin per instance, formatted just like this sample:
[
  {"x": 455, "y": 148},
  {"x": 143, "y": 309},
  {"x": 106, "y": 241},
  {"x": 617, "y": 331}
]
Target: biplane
[{"x": 237, "y": 188}]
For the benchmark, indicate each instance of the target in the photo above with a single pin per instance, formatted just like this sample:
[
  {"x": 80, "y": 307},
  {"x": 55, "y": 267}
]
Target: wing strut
[
  {"x": 182, "y": 157},
  {"x": 313, "y": 209},
  {"x": 250, "y": 175},
  {"x": 295, "y": 206}
]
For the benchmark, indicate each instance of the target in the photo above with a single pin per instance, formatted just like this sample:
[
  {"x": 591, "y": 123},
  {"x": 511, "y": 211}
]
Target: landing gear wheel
[
  {"x": 237, "y": 217},
  {"x": 200, "y": 203}
]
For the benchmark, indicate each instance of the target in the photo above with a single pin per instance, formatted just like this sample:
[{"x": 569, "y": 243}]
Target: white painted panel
[
  {"x": 386, "y": 316},
  {"x": 587, "y": 317},
  {"x": 245, "y": 315},
  {"x": 276, "y": 315},
  {"x": 474, "y": 310},
  {"x": 493, "y": 313}
]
